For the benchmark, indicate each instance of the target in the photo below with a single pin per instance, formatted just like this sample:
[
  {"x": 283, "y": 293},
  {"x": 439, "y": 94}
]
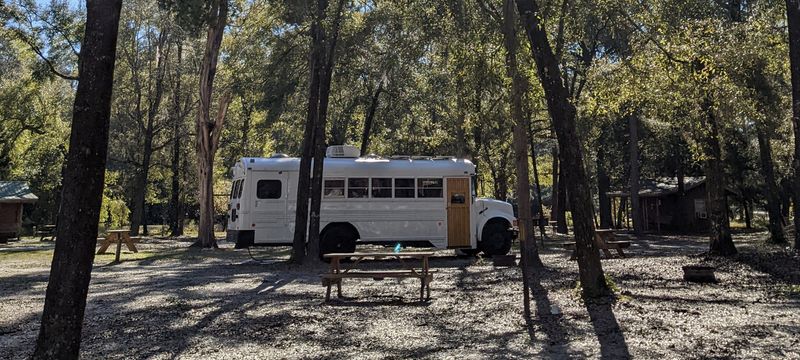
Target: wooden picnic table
[
  {"x": 118, "y": 237},
  {"x": 604, "y": 239},
  {"x": 45, "y": 231},
  {"x": 337, "y": 272}
]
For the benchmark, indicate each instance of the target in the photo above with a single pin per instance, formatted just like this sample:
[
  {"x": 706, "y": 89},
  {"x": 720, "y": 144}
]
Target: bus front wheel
[
  {"x": 337, "y": 239},
  {"x": 496, "y": 239}
]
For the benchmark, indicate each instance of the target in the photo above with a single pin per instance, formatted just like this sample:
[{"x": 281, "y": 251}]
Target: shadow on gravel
[
  {"x": 549, "y": 322},
  {"x": 606, "y": 327}
]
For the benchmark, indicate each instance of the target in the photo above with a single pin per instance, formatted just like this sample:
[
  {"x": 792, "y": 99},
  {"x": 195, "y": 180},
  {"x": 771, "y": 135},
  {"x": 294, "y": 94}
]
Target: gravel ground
[{"x": 170, "y": 302}]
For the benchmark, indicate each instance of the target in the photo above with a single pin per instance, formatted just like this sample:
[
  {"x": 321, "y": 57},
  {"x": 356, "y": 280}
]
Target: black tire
[
  {"x": 495, "y": 239},
  {"x": 337, "y": 239},
  {"x": 470, "y": 252}
]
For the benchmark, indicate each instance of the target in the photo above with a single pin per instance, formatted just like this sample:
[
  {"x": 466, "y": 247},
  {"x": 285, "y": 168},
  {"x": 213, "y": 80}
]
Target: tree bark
[
  {"x": 84, "y": 176},
  {"x": 793, "y": 19},
  {"x": 175, "y": 225},
  {"x": 304, "y": 174},
  {"x": 370, "y": 119},
  {"x": 208, "y": 129},
  {"x": 717, "y": 209},
  {"x": 319, "y": 132},
  {"x": 563, "y": 114},
  {"x": 633, "y": 181}
]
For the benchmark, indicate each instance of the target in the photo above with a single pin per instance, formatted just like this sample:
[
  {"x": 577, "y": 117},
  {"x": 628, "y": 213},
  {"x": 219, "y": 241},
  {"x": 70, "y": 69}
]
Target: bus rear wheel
[
  {"x": 337, "y": 239},
  {"x": 496, "y": 239}
]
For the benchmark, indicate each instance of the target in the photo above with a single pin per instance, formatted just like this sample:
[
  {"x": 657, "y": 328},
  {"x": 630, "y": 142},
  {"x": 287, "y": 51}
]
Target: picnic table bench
[
  {"x": 337, "y": 273},
  {"x": 604, "y": 239},
  {"x": 45, "y": 231},
  {"x": 117, "y": 237}
]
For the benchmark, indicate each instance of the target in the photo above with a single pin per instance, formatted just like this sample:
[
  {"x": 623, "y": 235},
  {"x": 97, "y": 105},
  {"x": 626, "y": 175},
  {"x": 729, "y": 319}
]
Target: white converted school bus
[{"x": 415, "y": 201}]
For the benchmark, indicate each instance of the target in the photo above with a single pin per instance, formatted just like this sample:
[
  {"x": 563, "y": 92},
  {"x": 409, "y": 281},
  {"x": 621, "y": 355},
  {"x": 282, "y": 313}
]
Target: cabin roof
[
  {"x": 16, "y": 192},
  {"x": 406, "y": 166},
  {"x": 662, "y": 186}
]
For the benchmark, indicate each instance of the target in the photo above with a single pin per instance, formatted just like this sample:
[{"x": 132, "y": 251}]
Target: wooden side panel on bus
[{"x": 458, "y": 203}]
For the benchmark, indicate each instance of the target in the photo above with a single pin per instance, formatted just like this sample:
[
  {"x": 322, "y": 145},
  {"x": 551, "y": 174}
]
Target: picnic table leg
[
  {"x": 426, "y": 284},
  {"x": 619, "y": 251},
  {"x": 104, "y": 246},
  {"x": 129, "y": 243},
  {"x": 328, "y": 292},
  {"x": 119, "y": 246},
  {"x": 335, "y": 263}
]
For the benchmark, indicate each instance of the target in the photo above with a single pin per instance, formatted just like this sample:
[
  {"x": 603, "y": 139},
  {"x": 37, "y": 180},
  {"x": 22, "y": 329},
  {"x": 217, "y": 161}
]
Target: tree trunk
[
  {"x": 175, "y": 226},
  {"x": 319, "y": 133},
  {"x": 84, "y": 176},
  {"x": 304, "y": 174},
  {"x": 537, "y": 184},
  {"x": 603, "y": 187},
  {"x": 563, "y": 201},
  {"x": 528, "y": 250},
  {"x": 793, "y": 19},
  {"x": 717, "y": 209},
  {"x": 138, "y": 216},
  {"x": 555, "y": 204},
  {"x": 633, "y": 181},
  {"x": 563, "y": 114},
  {"x": 770, "y": 187},
  {"x": 368, "y": 121},
  {"x": 208, "y": 130}
]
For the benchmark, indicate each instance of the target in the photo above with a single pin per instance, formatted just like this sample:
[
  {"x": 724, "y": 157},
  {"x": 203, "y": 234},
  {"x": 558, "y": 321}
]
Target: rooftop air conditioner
[{"x": 342, "y": 151}]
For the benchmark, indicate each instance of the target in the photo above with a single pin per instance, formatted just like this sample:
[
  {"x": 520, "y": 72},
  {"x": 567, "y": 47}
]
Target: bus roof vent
[
  {"x": 342, "y": 151},
  {"x": 278, "y": 156},
  {"x": 400, "y": 157},
  {"x": 444, "y": 158}
]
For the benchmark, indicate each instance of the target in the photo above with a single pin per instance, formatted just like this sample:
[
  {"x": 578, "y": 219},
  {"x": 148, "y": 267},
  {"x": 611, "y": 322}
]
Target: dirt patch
[{"x": 176, "y": 303}]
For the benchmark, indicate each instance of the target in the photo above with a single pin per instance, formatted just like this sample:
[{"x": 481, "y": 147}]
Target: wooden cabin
[
  {"x": 13, "y": 195},
  {"x": 665, "y": 207}
]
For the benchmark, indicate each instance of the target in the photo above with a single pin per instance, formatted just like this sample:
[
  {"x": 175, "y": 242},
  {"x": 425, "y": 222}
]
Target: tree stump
[{"x": 699, "y": 274}]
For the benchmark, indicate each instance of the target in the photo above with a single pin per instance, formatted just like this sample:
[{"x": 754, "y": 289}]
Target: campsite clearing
[{"x": 171, "y": 302}]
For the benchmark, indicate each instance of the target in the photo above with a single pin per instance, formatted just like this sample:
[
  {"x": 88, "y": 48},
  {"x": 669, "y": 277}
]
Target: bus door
[
  {"x": 458, "y": 212},
  {"x": 269, "y": 206}
]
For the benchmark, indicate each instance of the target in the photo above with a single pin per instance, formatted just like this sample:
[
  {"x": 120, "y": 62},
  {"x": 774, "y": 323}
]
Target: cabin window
[
  {"x": 381, "y": 187},
  {"x": 429, "y": 187},
  {"x": 357, "y": 188},
  {"x": 334, "y": 188},
  {"x": 404, "y": 188},
  {"x": 268, "y": 189}
]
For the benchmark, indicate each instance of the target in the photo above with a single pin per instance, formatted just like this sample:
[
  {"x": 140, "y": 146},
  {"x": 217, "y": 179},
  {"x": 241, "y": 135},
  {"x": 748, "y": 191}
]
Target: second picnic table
[
  {"x": 604, "y": 239},
  {"x": 337, "y": 273},
  {"x": 118, "y": 237}
]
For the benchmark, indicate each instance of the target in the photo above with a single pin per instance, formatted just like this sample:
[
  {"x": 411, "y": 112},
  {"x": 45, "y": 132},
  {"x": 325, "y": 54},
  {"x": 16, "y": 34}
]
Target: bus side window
[
  {"x": 357, "y": 188},
  {"x": 334, "y": 188},
  {"x": 404, "y": 188},
  {"x": 233, "y": 189},
  {"x": 430, "y": 187},
  {"x": 382, "y": 187},
  {"x": 239, "y": 191},
  {"x": 268, "y": 189}
]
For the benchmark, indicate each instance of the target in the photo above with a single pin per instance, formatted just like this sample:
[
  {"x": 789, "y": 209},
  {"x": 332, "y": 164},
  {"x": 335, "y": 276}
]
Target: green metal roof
[{"x": 16, "y": 192}]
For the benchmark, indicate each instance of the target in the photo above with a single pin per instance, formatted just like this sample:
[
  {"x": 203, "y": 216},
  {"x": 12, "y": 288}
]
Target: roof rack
[
  {"x": 446, "y": 157},
  {"x": 421, "y": 157},
  {"x": 400, "y": 157}
]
